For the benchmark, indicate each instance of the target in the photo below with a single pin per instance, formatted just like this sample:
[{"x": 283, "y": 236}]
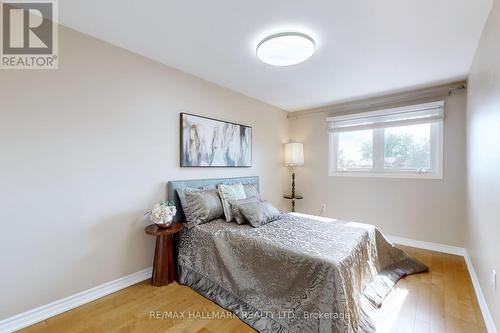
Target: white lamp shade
[{"x": 294, "y": 154}]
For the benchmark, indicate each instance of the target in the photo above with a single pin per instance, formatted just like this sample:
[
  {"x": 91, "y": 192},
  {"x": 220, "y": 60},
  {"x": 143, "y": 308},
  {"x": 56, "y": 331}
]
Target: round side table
[
  {"x": 293, "y": 198},
  {"x": 163, "y": 265}
]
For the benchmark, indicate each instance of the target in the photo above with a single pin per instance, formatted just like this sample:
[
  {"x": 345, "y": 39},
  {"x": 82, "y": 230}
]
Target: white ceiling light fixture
[{"x": 286, "y": 49}]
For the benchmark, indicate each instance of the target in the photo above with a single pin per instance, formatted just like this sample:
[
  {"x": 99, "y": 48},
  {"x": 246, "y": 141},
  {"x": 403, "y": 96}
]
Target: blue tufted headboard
[{"x": 172, "y": 186}]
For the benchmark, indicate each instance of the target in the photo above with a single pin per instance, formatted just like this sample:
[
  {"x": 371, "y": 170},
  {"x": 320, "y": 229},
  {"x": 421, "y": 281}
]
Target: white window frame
[{"x": 378, "y": 169}]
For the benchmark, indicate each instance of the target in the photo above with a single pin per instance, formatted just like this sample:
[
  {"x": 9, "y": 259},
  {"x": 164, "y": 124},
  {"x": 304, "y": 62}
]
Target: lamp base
[{"x": 293, "y": 192}]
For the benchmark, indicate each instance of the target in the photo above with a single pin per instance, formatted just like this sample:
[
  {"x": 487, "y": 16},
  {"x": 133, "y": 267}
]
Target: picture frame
[{"x": 209, "y": 142}]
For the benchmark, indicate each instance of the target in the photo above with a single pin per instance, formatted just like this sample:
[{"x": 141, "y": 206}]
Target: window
[
  {"x": 355, "y": 150},
  {"x": 402, "y": 142},
  {"x": 407, "y": 147}
]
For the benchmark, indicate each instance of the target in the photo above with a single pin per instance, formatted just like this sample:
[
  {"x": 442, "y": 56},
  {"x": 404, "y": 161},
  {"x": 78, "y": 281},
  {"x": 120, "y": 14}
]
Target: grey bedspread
[{"x": 298, "y": 274}]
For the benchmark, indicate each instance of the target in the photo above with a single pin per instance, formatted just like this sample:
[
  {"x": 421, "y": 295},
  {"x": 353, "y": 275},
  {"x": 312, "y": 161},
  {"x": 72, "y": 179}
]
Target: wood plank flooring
[{"x": 441, "y": 300}]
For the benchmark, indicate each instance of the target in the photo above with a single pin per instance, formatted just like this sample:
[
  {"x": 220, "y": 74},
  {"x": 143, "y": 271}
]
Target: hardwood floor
[{"x": 441, "y": 300}]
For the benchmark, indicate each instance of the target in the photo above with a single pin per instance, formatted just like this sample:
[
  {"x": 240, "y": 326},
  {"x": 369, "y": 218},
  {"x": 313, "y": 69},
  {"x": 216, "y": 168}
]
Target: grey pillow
[
  {"x": 228, "y": 193},
  {"x": 259, "y": 213},
  {"x": 251, "y": 190},
  {"x": 235, "y": 208},
  {"x": 200, "y": 205},
  {"x": 182, "y": 198}
]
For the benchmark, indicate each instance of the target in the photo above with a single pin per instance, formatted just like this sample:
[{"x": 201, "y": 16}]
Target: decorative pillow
[
  {"x": 182, "y": 197},
  {"x": 259, "y": 213},
  {"x": 251, "y": 190},
  {"x": 235, "y": 208},
  {"x": 200, "y": 206},
  {"x": 228, "y": 193}
]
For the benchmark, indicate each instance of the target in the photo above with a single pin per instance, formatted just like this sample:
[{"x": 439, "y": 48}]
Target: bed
[{"x": 301, "y": 273}]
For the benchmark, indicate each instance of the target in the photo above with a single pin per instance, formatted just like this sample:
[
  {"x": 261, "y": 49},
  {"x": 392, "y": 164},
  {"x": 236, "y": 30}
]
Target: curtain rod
[{"x": 380, "y": 102}]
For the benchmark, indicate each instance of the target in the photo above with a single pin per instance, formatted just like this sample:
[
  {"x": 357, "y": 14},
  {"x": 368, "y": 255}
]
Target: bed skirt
[{"x": 227, "y": 300}]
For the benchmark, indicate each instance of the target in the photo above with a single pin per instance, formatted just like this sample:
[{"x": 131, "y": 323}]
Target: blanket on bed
[{"x": 298, "y": 274}]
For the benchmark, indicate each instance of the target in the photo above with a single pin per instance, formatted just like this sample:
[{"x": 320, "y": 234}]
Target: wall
[
  {"x": 429, "y": 210},
  {"x": 85, "y": 149},
  {"x": 483, "y": 155}
]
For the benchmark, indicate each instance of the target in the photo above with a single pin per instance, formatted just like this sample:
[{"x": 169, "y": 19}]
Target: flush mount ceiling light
[{"x": 286, "y": 49}]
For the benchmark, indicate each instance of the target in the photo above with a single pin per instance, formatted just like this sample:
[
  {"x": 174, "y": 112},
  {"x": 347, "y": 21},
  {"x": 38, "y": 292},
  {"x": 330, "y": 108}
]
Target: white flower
[
  {"x": 160, "y": 211},
  {"x": 172, "y": 210}
]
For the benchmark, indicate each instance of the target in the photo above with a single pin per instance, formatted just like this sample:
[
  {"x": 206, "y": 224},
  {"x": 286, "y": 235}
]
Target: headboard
[{"x": 172, "y": 186}]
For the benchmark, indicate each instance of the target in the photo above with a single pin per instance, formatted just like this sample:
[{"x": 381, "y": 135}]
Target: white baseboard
[
  {"x": 459, "y": 251},
  {"x": 488, "y": 319},
  {"x": 43, "y": 312}
]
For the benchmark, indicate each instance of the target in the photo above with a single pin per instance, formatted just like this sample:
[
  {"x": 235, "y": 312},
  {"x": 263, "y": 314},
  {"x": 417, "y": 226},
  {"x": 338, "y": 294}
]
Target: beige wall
[
  {"x": 429, "y": 210},
  {"x": 483, "y": 149},
  {"x": 85, "y": 149}
]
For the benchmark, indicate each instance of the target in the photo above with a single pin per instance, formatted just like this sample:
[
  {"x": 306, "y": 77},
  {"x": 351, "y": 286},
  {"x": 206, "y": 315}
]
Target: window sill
[{"x": 404, "y": 175}]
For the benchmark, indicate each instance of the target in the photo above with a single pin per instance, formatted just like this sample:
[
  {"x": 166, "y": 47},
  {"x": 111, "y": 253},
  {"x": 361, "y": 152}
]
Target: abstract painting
[{"x": 207, "y": 142}]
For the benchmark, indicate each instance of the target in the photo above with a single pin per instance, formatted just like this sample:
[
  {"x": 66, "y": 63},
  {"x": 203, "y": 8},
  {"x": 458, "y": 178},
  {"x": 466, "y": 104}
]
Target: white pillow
[{"x": 229, "y": 193}]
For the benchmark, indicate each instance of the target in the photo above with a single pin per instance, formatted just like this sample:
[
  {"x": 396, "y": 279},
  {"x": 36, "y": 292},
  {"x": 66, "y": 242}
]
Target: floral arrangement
[{"x": 162, "y": 213}]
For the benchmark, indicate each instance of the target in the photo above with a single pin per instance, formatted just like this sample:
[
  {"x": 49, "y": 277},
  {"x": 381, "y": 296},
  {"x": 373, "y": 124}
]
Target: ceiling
[{"x": 364, "y": 48}]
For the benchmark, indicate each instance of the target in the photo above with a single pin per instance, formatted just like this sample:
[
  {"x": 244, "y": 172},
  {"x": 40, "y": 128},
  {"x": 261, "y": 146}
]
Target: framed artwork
[{"x": 207, "y": 142}]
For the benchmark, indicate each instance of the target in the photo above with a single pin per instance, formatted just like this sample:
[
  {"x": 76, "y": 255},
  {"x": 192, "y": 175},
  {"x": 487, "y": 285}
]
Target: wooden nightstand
[
  {"x": 293, "y": 198},
  {"x": 163, "y": 266}
]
